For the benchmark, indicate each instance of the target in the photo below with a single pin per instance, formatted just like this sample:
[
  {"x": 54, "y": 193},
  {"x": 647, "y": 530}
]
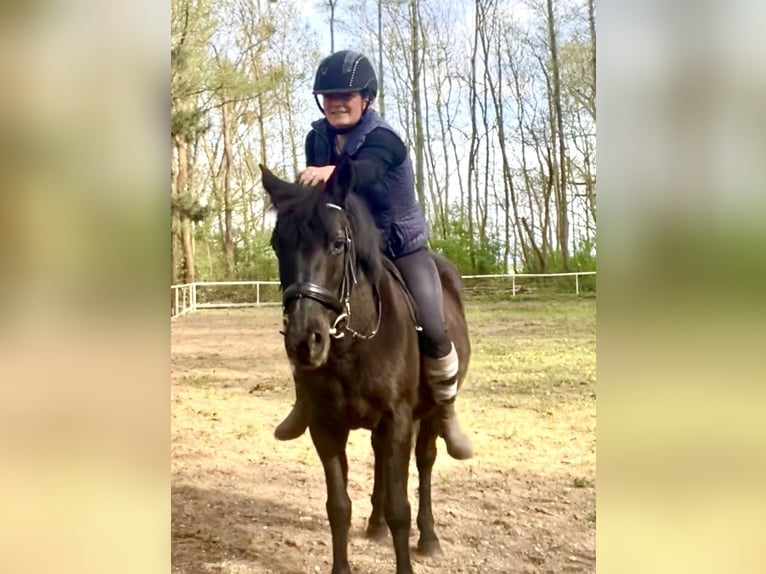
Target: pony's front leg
[
  {"x": 331, "y": 447},
  {"x": 425, "y": 455},
  {"x": 396, "y": 442},
  {"x": 377, "y": 528}
]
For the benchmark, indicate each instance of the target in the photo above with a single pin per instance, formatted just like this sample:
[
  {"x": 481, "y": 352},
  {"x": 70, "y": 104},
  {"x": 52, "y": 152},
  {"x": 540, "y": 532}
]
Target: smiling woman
[{"x": 345, "y": 109}]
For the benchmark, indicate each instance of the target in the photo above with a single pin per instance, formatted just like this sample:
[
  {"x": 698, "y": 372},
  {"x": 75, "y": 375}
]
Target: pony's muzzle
[{"x": 307, "y": 345}]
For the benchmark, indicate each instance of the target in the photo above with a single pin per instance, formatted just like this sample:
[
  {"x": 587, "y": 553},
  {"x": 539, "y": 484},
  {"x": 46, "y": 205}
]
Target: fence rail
[{"x": 189, "y": 297}]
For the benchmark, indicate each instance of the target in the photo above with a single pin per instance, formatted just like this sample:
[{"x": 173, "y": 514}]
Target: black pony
[{"x": 350, "y": 336}]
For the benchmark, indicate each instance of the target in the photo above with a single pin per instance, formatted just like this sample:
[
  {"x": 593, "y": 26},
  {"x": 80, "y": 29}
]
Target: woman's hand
[{"x": 315, "y": 175}]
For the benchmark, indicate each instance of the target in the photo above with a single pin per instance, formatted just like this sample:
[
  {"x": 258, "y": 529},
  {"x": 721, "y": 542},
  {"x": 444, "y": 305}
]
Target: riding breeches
[{"x": 422, "y": 279}]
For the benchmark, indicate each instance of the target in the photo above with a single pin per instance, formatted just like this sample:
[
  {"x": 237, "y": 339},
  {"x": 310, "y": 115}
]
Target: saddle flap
[{"x": 389, "y": 266}]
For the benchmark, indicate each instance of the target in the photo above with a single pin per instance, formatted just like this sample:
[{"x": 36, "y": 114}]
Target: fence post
[
  {"x": 513, "y": 292},
  {"x": 258, "y": 293},
  {"x": 194, "y": 296},
  {"x": 175, "y": 301},
  {"x": 577, "y": 283}
]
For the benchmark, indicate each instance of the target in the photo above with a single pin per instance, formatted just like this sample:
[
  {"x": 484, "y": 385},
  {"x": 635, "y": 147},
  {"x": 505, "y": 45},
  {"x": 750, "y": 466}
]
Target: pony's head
[{"x": 324, "y": 240}]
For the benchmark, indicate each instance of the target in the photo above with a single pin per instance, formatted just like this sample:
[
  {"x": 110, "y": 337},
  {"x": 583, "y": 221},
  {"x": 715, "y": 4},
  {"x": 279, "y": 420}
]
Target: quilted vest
[{"x": 391, "y": 200}]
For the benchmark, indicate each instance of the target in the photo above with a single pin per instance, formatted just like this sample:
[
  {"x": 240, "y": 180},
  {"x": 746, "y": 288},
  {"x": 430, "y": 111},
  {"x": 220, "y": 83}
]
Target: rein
[{"x": 340, "y": 305}]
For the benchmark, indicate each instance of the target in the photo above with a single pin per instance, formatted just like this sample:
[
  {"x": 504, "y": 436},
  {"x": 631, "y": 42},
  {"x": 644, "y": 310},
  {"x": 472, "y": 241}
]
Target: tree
[
  {"x": 562, "y": 212},
  {"x": 191, "y": 28}
]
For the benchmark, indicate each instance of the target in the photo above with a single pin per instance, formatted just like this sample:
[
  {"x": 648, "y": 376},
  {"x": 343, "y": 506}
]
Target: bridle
[{"x": 339, "y": 304}]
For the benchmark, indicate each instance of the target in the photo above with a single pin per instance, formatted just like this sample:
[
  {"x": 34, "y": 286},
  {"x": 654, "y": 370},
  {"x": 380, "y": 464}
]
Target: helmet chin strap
[{"x": 316, "y": 99}]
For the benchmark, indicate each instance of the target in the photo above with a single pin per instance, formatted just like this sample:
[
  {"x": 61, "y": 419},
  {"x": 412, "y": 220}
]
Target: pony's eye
[{"x": 338, "y": 245}]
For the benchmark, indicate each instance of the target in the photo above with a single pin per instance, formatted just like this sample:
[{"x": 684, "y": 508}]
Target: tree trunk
[
  {"x": 417, "y": 115},
  {"x": 331, "y": 4},
  {"x": 174, "y": 224},
  {"x": 227, "y": 161},
  {"x": 457, "y": 157},
  {"x": 592, "y": 26},
  {"x": 185, "y": 224},
  {"x": 520, "y": 114},
  {"x": 485, "y": 35},
  {"x": 509, "y": 193},
  {"x": 473, "y": 148},
  {"x": 562, "y": 215},
  {"x": 381, "y": 93}
]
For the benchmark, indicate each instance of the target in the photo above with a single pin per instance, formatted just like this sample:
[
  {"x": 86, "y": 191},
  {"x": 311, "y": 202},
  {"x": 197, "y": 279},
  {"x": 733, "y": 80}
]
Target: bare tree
[
  {"x": 331, "y": 5},
  {"x": 417, "y": 117},
  {"x": 592, "y": 30},
  {"x": 381, "y": 91},
  {"x": 562, "y": 214}
]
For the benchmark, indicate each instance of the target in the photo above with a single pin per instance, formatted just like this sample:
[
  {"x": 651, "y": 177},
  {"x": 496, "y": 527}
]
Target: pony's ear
[
  {"x": 342, "y": 180},
  {"x": 279, "y": 190}
]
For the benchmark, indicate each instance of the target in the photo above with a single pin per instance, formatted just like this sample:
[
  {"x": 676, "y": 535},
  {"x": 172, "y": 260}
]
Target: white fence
[
  {"x": 514, "y": 276},
  {"x": 184, "y": 298},
  {"x": 193, "y": 296}
]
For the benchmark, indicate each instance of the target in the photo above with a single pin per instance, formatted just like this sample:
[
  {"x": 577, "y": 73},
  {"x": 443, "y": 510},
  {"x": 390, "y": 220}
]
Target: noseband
[{"x": 339, "y": 304}]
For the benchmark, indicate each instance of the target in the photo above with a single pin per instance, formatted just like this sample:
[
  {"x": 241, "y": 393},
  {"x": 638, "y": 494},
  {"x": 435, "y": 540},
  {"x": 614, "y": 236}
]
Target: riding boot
[
  {"x": 441, "y": 375},
  {"x": 295, "y": 423}
]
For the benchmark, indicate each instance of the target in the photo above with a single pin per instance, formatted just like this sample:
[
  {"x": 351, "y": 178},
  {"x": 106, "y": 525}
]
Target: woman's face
[{"x": 343, "y": 110}]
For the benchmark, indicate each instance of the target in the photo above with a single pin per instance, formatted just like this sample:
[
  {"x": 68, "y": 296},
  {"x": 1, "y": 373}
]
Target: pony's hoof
[
  {"x": 376, "y": 531},
  {"x": 429, "y": 547}
]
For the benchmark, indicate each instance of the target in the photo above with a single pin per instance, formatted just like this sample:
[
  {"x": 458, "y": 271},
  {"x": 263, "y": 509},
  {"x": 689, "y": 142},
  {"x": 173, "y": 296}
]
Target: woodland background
[{"x": 496, "y": 100}]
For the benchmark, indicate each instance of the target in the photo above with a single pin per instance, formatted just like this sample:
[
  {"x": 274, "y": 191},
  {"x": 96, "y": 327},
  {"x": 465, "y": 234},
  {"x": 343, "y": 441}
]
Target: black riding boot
[
  {"x": 441, "y": 375},
  {"x": 295, "y": 423},
  {"x": 458, "y": 444}
]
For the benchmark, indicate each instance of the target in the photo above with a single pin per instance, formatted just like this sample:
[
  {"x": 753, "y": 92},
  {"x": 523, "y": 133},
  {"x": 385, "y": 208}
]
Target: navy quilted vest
[{"x": 392, "y": 199}]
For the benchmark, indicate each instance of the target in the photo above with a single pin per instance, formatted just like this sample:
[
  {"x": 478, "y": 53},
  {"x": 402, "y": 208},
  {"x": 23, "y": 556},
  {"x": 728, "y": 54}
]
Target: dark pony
[{"x": 350, "y": 335}]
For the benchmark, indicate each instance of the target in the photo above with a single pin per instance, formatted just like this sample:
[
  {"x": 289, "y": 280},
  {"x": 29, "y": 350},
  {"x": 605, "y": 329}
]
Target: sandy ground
[{"x": 243, "y": 502}]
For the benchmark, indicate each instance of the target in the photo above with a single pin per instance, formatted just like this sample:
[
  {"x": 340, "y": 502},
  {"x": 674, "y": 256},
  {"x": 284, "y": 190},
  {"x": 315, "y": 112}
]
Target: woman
[{"x": 347, "y": 83}]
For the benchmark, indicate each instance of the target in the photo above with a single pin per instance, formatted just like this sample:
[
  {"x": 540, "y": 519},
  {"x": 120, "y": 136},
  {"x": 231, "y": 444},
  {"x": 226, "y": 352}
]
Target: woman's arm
[{"x": 382, "y": 151}]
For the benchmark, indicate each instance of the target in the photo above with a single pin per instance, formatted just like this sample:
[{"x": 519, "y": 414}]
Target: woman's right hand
[{"x": 312, "y": 176}]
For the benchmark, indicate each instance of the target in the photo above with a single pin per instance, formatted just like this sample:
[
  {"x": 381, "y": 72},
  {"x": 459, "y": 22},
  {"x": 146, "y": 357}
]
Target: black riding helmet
[{"x": 345, "y": 71}]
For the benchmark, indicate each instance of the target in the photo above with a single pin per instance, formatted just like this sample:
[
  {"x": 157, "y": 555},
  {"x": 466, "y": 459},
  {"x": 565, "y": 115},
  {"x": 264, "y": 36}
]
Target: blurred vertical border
[
  {"x": 84, "y": 337},
  {"x": 682, "y": 268}
]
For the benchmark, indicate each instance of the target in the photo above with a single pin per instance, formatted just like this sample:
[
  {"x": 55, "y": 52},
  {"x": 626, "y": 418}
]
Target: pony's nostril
[{"x": 316, "y": 338}]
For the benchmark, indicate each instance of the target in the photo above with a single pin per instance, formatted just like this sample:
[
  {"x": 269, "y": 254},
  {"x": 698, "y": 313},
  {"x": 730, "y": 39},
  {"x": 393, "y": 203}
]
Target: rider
[{"x": 347, "y": 83}]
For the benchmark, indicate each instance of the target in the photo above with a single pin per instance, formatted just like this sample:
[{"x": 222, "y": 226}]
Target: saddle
[{"x": 389, "y": 266}]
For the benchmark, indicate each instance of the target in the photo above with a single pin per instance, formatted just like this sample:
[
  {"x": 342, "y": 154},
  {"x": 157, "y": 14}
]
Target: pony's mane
[
  {"x": 304, "y": 216},
  {"x": 367, "y": 237}
]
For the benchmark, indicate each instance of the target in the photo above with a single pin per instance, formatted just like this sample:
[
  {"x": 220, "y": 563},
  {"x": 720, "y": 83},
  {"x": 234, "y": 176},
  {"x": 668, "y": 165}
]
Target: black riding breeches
[{"x": 422, "y": 279}]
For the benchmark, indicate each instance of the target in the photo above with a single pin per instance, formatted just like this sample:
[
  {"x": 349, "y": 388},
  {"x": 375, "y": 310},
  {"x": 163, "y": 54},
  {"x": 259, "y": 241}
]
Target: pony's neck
[{"x": 364, "y": 303}]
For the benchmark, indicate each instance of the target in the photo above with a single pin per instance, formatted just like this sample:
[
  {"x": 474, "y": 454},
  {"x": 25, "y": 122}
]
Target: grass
[
  {"x": 541, "y": 355},
  {"x": 198, "y": 381},
  {"x": 581, "y": 482},
  {"x": 529, "y": 396}
]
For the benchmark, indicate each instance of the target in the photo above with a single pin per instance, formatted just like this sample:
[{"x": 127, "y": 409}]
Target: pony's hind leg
[
  {"x": 377, "y": 528},
  {"x": 331, "y": 447},
  {"x": 425, "y": 455}
]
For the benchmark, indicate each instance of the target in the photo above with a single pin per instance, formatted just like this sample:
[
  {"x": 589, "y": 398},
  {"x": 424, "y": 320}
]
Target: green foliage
[
  {"x": 186, "y": 123},
  {"x": 257, "y": 261},
  {"x": 253, "y": 261},
  {"x": 472, "y": 255},
  {"x": 185, "y": 205},
  {"x": 582, "y": 259}
]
